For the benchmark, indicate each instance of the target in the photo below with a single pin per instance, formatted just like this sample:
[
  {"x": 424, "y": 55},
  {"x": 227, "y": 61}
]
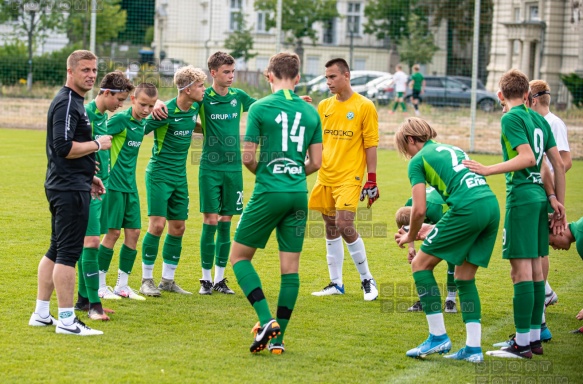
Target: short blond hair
[
  {"x": 188, "y": 75},
  {"x": 537, "y": 86},
  {"x": 403, "y": 216},
  {"x": 416, "y": 67},
  {"x": 78, "y": 55},
  {"x": 416, "y": 128}
]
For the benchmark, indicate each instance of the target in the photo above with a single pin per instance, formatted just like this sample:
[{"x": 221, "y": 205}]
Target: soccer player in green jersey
[
  {"x": 166, "y": 183},
  {"x": 436, "y": 207},
  {"x": 286, "y": 128},
  {"x": 122, "y": 204},
  {"x": 572, "y": 234},
  {"x": 464, "y": 236},
  {"x": 526, "y": 137},
  {"x": 220, "y": 175},
  {"x": 114, "y": 90},
  {"x": 417, "y": 84}
]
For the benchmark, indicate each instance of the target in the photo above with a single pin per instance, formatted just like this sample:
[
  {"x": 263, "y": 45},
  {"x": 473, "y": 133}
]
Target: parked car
[
  {"x": 306, "y": 86},
  {"x": 449, "y": 91},
  {"x": 381, "y": 89},
  {"x": 358, "y": 80},
  {"x": 168, "y": 67}
]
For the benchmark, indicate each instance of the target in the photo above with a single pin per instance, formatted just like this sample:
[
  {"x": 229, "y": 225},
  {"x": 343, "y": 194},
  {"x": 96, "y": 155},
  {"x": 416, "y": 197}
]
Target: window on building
[
  {"x": 260, "y": 24},
  {"x": 235, "y": 10},
  {"x": 261, "y": 62},
  {"x": 353, "y": 18},
  {"x": 517, "y": 15},
  {"x": 359, "y": 65},
  {"x": 313, "y": 66},
  {"x": 532, "y": 12},
  {"x": 329, "y": 28}
]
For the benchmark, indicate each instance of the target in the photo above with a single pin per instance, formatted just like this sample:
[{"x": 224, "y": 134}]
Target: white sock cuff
[{"x": 355, "y": 243}]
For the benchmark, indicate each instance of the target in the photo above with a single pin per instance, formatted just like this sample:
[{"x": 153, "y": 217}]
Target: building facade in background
[
  {"x": 192, "y": 30},
  {"x": 541, "y": 38}
]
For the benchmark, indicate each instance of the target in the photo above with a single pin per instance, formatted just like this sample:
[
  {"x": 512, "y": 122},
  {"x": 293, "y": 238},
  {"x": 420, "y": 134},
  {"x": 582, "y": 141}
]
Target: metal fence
[{"x": 461, "y": 46}]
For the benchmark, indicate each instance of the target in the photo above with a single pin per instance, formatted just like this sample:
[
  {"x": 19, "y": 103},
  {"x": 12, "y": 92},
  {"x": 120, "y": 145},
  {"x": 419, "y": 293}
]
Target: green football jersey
[
  {"x": 440, "y": 166},
  {"x": 284, "y": 126},
  {"x": 524, "y": 126},
  {"x": 436, "y": 207},
  {"x": 576, "y": 229},
  {"x": 99, "y": 128},
  {"x": 220, "y": 117},
  {"x": 172, "y": 140},
  {"x": 417, "y": 81},
  {"x": 127, "y": 135}
]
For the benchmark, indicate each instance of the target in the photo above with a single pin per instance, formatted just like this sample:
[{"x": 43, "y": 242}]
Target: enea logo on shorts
[{"x": 284, "y": 165}]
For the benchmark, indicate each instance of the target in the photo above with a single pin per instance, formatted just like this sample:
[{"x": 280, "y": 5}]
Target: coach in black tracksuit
[{"x": 70, "y": 183}]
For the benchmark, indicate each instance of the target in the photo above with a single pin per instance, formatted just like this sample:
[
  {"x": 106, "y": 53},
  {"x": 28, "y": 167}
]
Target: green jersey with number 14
[
  {"x": 440, "y": 165},
  {"x": 524, "y": 126},
  {"x": 285, "y": 126}
]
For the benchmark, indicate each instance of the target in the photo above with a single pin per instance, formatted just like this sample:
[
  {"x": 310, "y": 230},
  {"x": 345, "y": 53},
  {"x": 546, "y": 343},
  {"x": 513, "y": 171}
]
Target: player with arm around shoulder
[
  {"x": 525, "y": 139},
  {"x": 287, "y": 129},
  {"x": 166, "y": 181},
  {"x": 114, "y": 90},
  {"x": 464, "y": 236}
]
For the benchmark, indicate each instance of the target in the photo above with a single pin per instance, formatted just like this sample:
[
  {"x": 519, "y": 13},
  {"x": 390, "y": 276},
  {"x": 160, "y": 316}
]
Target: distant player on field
[
  {"x": 287, "y": 129},
  {"x": 114, "y": 90},
  {"x": 526, "y": 137},
  {"x": 166, "y": 181},
  {"x": 400, "y": 81},
  {"x": 122, "y": 204},
  {"x": 417, "y": 85},
  {"x": 464, "y": 236}
]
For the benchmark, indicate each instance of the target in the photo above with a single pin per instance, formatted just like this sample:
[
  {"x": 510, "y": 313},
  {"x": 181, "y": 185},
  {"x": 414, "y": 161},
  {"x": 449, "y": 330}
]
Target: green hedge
[{"x": 574, "y": 84}]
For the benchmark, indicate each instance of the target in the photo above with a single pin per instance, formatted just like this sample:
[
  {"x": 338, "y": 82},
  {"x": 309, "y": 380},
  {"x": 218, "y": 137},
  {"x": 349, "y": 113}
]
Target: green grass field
[{"x": 179, "y": 339}]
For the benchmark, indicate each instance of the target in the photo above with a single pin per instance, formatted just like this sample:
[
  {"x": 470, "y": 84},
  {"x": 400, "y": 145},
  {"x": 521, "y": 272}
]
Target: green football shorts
[
  {"x": 526, "y": 231},
  {"x": 220, "y": 192},
  {"x": 167, "y": 197},
  {"x": 466, "y": 234},
  {"x": 122, "y": 210},
  {"x": 94, "y": 223},
  {"x": 283, "y": 211}
]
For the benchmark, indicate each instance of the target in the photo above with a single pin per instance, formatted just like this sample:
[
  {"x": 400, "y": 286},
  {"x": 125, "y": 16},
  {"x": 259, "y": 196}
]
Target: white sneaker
[
  {"x": 78, "y": 328},
  {"x": 127, "y": 293},
  {"x": 330, "y": 289},
  {"x": 107, "y": 294},
  {"x": 37, "y": 321},
  {"x": 369, "y": 286},
  {"x": 551, "y": 298}
]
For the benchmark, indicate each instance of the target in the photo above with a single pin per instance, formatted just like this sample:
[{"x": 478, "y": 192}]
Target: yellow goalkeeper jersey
[{"x": 348, "y": 128}]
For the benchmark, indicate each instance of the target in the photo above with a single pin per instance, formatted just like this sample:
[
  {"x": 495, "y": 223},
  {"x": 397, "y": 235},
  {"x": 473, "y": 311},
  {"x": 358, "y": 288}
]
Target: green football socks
[
  {"x": 223, "y": 243},
  {"x": 288, "y": 294},
  {"x": 251, "y": 285}
]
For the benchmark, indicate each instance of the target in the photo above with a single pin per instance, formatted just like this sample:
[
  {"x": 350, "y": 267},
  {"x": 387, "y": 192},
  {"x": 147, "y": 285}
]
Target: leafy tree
[
  {"x": 388, "y": 19},
  {"x": 459, "y": 15},
  {"x": 111, "y": 20},
  {"x": 35, "y": 20},
  {"x": 298, "y": 18},
  {"x": 140, "y": 16},
  {"x": 574, "y": 84},
  {"x": 240, "y": 42},
  {"x": 419, "y": 46}
]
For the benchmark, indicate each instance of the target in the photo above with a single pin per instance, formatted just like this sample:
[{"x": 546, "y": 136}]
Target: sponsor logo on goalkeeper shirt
[
  {"x": 338, "y": 132},
  {"x": 284, "y": 165}
]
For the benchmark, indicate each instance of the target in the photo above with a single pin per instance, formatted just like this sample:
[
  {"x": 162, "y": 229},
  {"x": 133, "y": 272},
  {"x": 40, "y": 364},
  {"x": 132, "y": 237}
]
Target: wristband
[
  {"x": 98, "y": 145},
  {"x": 372, "y": 177},
  {"x": 551, "y": 195}
]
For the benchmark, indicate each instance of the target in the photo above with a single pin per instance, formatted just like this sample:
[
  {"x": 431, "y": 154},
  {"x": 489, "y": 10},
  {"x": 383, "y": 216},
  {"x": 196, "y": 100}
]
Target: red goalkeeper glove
[{"x": 370, "y": 189}]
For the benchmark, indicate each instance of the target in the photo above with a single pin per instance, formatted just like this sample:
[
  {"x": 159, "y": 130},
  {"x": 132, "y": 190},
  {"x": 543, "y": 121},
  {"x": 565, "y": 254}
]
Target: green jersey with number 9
[
  {"x": 524, "y": 126},
  {"x": 284, "y": 126},
  {"x": 440, "y": 165}
]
